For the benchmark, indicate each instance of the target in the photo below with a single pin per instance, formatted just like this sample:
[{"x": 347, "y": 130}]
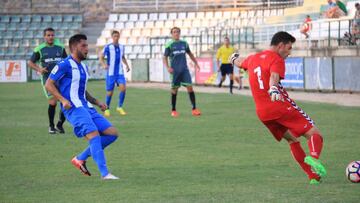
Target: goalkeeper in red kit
[{"x": 276, "y": 110}]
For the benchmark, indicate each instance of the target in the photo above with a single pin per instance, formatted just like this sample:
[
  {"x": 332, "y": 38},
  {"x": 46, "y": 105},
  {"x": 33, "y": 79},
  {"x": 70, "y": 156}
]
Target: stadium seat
[
  {"x": 143, "y": 16},
  {"x": 12, "y": 26},
  {"x": 153, "y": 16},
  {"x": 139, "y": 24},
  {"x": 109, "y": 25},
  {"x": 26, "y": 18},
  {"x": 119, "y": 25},
  {"x": 15, "y": 19},
  {"x": 159, "y": 24},
  {"x": 5, "y": 19},
  {"x": 22, "y": 26},
  {"x": 172, "y": 16},
  {"x": 123, "y": 17},
  {"x": 47, "y": 18},
  {"x": 3, "y": 26},
  {"x": 8, "y": 35},
  {"x": 133, "y": 17},
  {"x": 113, "y": 17},
  {"x": 57, "y": 18},
  {"x": 67, "y": 18},
  {"x": 78, "y": 18},
  {"x": 218, "y": 14},
  {"x": 163, "y": 16},
  {"x": 182, "y": 15},
  {"x": 36, "y": 18},
  {"x": 169, "y": 24}
]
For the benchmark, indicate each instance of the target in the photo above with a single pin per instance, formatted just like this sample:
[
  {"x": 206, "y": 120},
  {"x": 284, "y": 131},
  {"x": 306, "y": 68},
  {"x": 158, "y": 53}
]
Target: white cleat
[{"x": 109, "y": 176}]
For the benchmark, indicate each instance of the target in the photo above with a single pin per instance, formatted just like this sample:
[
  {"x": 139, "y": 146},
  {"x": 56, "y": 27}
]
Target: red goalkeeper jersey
[{"x": 259, "y": 67}]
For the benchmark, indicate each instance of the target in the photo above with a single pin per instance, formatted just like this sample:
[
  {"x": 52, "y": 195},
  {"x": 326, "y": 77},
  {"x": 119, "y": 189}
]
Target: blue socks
[
  {"x": 105, "y": 141},
  {"x": 108, "y": 100},
  {"x": 121, "y": 98},
  {"x": 98, "y": 155}
]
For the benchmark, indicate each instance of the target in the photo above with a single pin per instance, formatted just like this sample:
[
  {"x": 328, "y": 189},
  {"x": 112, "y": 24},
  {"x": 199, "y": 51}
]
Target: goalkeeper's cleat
[
  {"x": 196, "y": 112},
  {"x": 316, "y": 165},
  {"x": 52, "y": 130},
  {"x": 81, "y": 165},
  {"x": 110, "y": 176},
  {"x": 314, "y": 182},
  {"x": 121, "y": 111},
  {"x": 60, "y": 128},
  {"x": 107, "y": 113},
  {"x": 174, "y": 114}
]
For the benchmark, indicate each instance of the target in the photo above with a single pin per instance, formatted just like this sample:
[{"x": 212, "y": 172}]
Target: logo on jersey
[{"x": 55, "y": 69}]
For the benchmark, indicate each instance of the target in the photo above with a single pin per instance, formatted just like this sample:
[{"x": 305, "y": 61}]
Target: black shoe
[
  {"x": 52, "y": 130},
  {"x": 60, "y": 128},
  {"x": 220, "y": 84},
  {"x": 231, "y": 92}
]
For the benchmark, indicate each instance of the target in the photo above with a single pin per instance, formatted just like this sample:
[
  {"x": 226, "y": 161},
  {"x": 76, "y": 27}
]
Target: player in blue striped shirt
[
  {"x": 67, "y": 83},
  {"x": 114, "y": 53}
]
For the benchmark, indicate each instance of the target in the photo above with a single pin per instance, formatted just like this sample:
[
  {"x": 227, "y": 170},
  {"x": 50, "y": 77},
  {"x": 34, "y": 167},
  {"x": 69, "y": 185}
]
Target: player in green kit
[
  {"x": 176, "y": 50},
  {"x": 47, "y": 55}
]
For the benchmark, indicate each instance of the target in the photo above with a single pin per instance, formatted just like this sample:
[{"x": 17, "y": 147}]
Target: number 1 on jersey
[{"x": 258, "y": 73}]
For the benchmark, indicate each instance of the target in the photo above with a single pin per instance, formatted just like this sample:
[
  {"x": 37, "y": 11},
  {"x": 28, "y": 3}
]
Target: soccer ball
[{"x": 353, "y": 171}]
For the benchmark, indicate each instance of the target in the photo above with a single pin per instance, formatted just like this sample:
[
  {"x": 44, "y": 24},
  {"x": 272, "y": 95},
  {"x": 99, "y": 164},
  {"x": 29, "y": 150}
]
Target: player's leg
[
  {"x": 59, "y": 125},
  {"x": 231, "y": 75},
  {"x": 175, "y": 84},
  {"x": 299, "y": 123},
  {"x": 187, "y": 82},
  {"x": 299, "y": 155},
  {"x": 51, "y": 113},
  {"x": 315, "y": 144},
  {"x": 280, "y": 131},
  {"x": 108, "y": 134},
  {"x": 223, "y": 74},
  {"x": 122, "y": 87},
  {"x": 110, "y": 84}
]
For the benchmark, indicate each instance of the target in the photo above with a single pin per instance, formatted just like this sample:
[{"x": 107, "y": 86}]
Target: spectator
[
  {"x": 333, "y": 10},
  {"x": 355, "y": 29},
  {"x": 306, "y": 26}
]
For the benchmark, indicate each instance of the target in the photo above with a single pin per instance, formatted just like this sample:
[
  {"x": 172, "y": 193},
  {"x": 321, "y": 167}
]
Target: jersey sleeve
[
  {"x": 167, "y": 51},
  {"x": 187, "y": 48},
  {"x": 245, "y": 64},
  {"x": 106, "y": 51},
  {"x": 35, "y": 57},
  {"x": 58, "y": 71},
  {"x": 64, "y": 54},
  {"x": 218, "y": 53},
  {"x": 278, "y": 66}
]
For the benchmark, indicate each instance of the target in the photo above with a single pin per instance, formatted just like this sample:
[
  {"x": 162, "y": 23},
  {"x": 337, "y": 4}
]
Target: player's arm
[
  {"x": 50, "y": 87},
  {"x": 165, "y": 60},
  {"x": 32, "y": 63},
  {"x": 126, "y": 63},
  {"x": 94, "y": 101},
  {"x": 274, "y": 80},
  {"x": 192, "y": 57},
  {"x": 218, "y": 60},
  {"x": 102, "y": 60}
]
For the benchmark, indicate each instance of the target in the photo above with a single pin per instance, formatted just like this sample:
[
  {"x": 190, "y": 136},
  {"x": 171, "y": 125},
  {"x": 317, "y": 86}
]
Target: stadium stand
[{"x": 20, "y": 34}]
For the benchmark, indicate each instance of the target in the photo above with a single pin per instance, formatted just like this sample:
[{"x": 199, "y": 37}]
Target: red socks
[
  {"x": 315, "y": 144},
  {"x": 299, "y": 155}
]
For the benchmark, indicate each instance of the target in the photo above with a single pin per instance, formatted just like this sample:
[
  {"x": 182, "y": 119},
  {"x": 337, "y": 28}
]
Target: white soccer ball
[{"x": 353, "y": 171}]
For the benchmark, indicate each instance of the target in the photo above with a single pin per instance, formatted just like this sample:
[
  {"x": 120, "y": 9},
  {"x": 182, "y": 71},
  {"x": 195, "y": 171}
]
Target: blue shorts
[
  {"x": 181, "y": 78},
  {"x": 115, "y": 79},
  {"x": 85, "y": 121}
]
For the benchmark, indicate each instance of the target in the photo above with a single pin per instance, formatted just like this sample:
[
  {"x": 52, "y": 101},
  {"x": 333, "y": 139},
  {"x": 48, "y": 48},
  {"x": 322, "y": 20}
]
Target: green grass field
[{"x": 226, "y": 155}]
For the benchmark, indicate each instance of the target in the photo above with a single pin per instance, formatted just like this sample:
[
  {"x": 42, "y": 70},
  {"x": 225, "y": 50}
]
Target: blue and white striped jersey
[
  {"x": 71, "y": 78},
  {"x": 114, "y": 54}
]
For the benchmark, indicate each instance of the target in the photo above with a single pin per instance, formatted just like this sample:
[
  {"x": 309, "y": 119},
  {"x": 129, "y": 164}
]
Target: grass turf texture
[{"x": 226, "y": 155}]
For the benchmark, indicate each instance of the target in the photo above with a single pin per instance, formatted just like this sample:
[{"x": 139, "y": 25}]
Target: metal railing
[
  {"x": 324, "y": 33},
  {"x": 197, "y": 5}
]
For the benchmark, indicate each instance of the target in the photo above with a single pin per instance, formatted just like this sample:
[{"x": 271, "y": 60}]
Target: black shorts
[
  {"x": 226, "y": 69},
  {"x": 181, "y": 78}
]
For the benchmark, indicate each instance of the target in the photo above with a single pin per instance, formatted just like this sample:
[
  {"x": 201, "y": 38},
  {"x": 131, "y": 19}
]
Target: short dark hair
[
  {"x": 226, "y": 37},
  {"x": 115, "y": 32},
  {"x": 357, "y": 4},
  {"x": 283, "y": 37},
  {"x": 75, "y": 39},
  {"x": 175, "y": 28},
  {"x": 49, "y": 29}
]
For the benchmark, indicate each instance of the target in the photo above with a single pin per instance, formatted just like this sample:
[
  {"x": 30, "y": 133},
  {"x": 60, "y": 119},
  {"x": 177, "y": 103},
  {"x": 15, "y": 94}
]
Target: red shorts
[{"x": 296, "y": 122}]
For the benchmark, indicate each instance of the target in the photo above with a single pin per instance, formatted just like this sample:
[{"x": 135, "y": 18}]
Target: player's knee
[
  {"x": 52, "y": 102},
  {"x": 190, "y": 89},
  {"x": 109, "y": 93},
  {"x": 92, "y": 134},
  {"x": 111, "y": 131}
]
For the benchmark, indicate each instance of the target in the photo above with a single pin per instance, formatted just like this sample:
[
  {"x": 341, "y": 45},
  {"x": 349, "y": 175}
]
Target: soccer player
[
  {"x": 114, "y": 53},
  {"x": 68, "y": 83},
  {"x": 176, "y": 50},
  {"x": 48, "y": 54},
  {"x": 276, "y": 110},
  {"x": 226, "y": 68}
]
